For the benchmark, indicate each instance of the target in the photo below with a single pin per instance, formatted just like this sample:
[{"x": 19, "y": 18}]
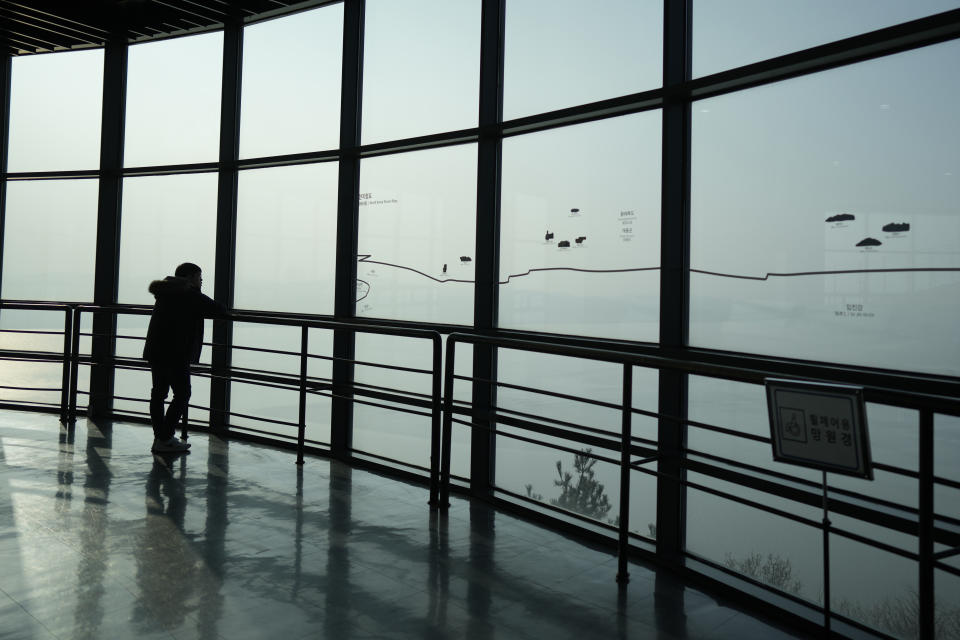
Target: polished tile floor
[{"x": 99, "y": 539}]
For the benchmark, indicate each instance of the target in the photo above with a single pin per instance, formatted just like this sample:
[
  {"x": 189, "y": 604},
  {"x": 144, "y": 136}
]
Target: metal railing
[
  {"x": 623, "y": 449},
  {"x": 631, "y": 453},
  {"x": 424, "y": 404}
]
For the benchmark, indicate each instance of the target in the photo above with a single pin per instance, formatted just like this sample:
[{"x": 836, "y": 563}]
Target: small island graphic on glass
[
  {"x": 896, "y": 227},
  {"x": 841, "y": 217}
]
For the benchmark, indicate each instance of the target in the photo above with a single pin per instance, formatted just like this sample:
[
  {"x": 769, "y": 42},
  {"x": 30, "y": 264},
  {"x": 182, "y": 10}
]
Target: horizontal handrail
[
  {"x": 400, "y": 400},
  {"x": 887, "y": 388},
  {"x": 879, "y": 386},
  {"x": 927, "y": 394}
]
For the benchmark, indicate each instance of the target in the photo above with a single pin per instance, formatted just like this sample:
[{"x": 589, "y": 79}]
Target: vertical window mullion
[
  {"x": 6, "y": 65},
  {"x": 344, "y": 342},
  {"x": 489, "y": 149},
  {"x": 106, "y": 273},
  {"x": 223, "y": 288},
  {"x": 674, "y": 278}
]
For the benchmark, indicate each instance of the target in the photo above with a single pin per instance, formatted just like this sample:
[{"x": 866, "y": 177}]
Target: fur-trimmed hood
[
  {"x": 175, "y": 334},
  {"x": 171, "y": 285}
]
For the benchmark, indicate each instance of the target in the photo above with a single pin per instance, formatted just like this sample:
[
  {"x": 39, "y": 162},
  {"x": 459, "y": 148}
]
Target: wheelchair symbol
[{"x": 793, "y": 424}]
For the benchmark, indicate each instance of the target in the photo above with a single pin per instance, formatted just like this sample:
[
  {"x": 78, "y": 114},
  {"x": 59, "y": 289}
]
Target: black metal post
[
  {"x": 74, "y": 366},
  {"x": 302, "y": 429},
  {"x": 345, "y": 301},
  {"x": 826, "y": 557},
  {"x": 65, "y": 381},
  {"x": 487, "y": 265},
  {"x": 448, "y": 382},
  {"x": 223, "y": 288},
  {"x": 436, "y": 421},
  {"x": 184, "y": 422},
  {"x": 674, "y": 280},
  {"x": 926, "y": 579},
  {"x": 108, "y": 224},
  {"x": 626, "y": 428}
]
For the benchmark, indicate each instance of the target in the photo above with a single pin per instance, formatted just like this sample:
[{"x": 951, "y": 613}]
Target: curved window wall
[{"x": 823, "y": 226}]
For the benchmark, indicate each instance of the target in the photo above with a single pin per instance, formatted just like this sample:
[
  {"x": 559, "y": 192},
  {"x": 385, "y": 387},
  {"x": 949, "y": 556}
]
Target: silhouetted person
[{"x": 174, "y": 340}]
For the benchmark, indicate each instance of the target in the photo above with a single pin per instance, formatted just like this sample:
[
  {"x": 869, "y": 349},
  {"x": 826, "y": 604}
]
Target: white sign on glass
[{"x": 822, "y": 426}]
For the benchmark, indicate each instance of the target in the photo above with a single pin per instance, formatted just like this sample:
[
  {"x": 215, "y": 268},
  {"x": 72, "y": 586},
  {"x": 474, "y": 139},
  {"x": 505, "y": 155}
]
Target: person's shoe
[{"x": 173, "y": 445}]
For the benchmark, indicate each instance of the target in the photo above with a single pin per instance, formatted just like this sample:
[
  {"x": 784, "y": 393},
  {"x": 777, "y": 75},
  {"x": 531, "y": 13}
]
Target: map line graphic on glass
[
  {"x": 363, "y": 287},
  {"x": 365, "y": 258}
]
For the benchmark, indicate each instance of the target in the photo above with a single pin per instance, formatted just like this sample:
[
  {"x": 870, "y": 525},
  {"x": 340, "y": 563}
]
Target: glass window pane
[
  {"x": 286, "y": 238},
  {"x": 173, "y": 101},
  {"x": 580, "y": 230},
  {"x": 571, "y": 53},
  {"x": 590, "y": 380},
  {"x": 946, "y": 451},
  {"x": 421, "y": 65},
  {"x": 873, "y": 586},
  {"x": 539, "y": 472},
  {"x": 828, "y": 229},
  {"x": 729, "y": 34},
  {"x": 167, "y": 220},
  {"x": 39, "y": 382},
  {"x": 460, "y": 436},
  {"x": 43, "y": 378},
  {"x": 947, "y": 596},
  {"x": 50, "y": 239},
  {"x": 291, "y": 83},
  {"x": 397, "y": 435},
  {"x": 55, "y": 111},
  {"x": 274, "y": 403},
  {"x": 416, "y": 236},
  {"x": 781, "y": 553}
]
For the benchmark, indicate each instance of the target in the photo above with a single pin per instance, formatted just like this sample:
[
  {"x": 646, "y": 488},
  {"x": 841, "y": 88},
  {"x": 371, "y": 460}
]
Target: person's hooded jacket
[{"x": 175, "y": 334}]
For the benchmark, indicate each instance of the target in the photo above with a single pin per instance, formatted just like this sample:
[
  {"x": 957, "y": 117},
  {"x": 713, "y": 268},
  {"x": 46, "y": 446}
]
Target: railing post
[
  {"x": 827, "y": 616},
  {"x": 444, "y": 498},
  {"x": 74, "y": 365},
  {"x": 436, "y": 420},
  {"x": 184, "y": 421},
  {"x": 623, "y": 547},
  {"x": 926, "y": 579},
  {"x": 67, "y": 359},
  {"x": 302, "y": 430}
]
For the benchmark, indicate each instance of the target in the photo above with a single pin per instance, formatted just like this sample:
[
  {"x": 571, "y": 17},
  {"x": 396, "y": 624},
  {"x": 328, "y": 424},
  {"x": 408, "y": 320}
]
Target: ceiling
[{"x": 42, "y": 26}]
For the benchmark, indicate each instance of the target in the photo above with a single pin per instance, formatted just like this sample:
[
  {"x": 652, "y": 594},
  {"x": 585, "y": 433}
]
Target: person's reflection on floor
[{"x": 164, "y": 557}]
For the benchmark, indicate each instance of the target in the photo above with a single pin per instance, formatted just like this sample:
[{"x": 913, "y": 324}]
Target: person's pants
[{"x": 166, "y": 377}]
